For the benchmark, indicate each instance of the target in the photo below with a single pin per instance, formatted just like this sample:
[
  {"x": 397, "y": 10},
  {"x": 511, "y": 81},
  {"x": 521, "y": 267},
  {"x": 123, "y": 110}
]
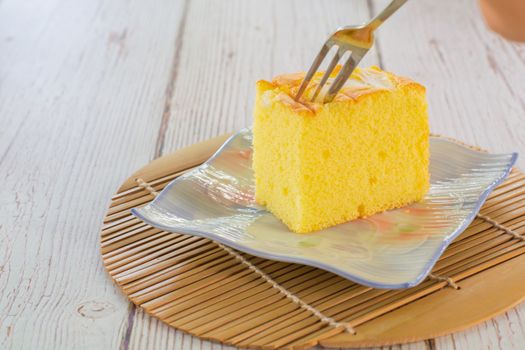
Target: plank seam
[
  {"x": 124, "y": 345},
  {"x": 170, "y": 88},
  {"x": 295, "y": 299}
]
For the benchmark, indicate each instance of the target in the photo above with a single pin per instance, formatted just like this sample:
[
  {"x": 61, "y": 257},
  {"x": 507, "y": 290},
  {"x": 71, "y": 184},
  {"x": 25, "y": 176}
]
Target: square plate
[{"x": 394, "y": 249}]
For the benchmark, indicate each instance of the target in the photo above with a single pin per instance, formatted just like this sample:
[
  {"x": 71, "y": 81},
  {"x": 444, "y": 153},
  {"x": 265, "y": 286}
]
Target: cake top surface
[{"x": 363, "y": 81}]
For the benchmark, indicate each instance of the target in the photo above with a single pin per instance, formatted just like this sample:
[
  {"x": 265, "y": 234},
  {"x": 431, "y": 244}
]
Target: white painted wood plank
[
  {"x": 151, "y": 334},
  {"x": 206, "y": 102},
  {"x": 475, "y": 80},
  {"x": 221, "y": 58},
  {"x": 240, "y": 42},
  {"x": 82, "y": 88},
  {"x": 82, "y": 99}
]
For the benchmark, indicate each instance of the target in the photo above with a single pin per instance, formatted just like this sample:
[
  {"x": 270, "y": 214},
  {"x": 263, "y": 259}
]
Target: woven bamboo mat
[{"x": 197, "y": 286}]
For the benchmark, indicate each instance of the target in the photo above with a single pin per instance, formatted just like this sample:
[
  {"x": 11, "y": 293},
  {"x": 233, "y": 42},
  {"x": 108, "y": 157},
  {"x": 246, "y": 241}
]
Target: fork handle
[{"x": 387, "y": 12}]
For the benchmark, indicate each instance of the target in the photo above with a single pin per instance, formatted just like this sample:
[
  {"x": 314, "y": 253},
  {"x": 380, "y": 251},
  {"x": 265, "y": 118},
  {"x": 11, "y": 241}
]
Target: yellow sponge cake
[{"x": 318, "y": 165}]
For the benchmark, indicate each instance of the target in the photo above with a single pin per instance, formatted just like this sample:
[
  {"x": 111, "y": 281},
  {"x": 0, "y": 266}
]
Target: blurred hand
[{"x": 506, "y": 17}]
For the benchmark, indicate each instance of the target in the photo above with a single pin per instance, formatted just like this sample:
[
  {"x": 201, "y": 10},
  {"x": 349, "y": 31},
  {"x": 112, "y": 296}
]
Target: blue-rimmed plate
[{"x": 394, "y": 249}]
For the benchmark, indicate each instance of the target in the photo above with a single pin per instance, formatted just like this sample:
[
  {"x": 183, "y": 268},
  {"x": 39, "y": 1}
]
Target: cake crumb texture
[{"x": 318, "y": 165}]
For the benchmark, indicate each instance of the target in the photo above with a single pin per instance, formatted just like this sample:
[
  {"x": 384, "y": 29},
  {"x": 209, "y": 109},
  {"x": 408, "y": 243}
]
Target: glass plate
[{"x": 394, "y": 249}]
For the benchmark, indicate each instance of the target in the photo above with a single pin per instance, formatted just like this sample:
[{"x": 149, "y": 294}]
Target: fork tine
[
  {"x": 317, "y": 62},
  {"x": 343, "y": 75},
  {"x": 328, "y": 71}
]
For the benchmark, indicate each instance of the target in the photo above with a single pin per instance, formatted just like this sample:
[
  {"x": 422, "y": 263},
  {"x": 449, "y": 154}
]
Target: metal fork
[{"x": 355, "y": 39}]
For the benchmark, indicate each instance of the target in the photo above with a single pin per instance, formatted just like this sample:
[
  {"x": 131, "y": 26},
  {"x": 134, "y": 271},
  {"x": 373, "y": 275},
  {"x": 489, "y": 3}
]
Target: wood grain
[
  {"x": 195, "y": 285},
  {"x": 81, "y": 89},
  {"x": 92, "y": 90},
  {"x": 474, "y": 78},
  {"x": 239, "y": 43}
]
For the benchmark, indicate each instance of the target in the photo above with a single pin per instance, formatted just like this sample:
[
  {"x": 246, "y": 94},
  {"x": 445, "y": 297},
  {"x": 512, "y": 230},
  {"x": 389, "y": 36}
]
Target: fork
[{"x": 354, "y": 39}]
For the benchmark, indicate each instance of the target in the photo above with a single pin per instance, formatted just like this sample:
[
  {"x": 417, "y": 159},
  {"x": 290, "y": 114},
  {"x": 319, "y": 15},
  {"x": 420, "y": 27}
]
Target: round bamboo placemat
[{"x": 213, "y": 292}]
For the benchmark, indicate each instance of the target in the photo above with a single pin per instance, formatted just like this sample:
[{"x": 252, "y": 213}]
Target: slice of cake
[{"x": 318, "y": 165}]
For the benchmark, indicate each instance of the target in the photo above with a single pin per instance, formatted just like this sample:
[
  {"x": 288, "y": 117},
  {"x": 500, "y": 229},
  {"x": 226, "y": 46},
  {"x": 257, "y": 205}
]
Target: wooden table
[{"x": 92, "y": 90}]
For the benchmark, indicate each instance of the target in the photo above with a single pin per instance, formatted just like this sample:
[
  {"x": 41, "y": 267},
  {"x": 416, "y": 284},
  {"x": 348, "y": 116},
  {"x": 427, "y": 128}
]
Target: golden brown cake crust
[{"x": 363, "y": 82}]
